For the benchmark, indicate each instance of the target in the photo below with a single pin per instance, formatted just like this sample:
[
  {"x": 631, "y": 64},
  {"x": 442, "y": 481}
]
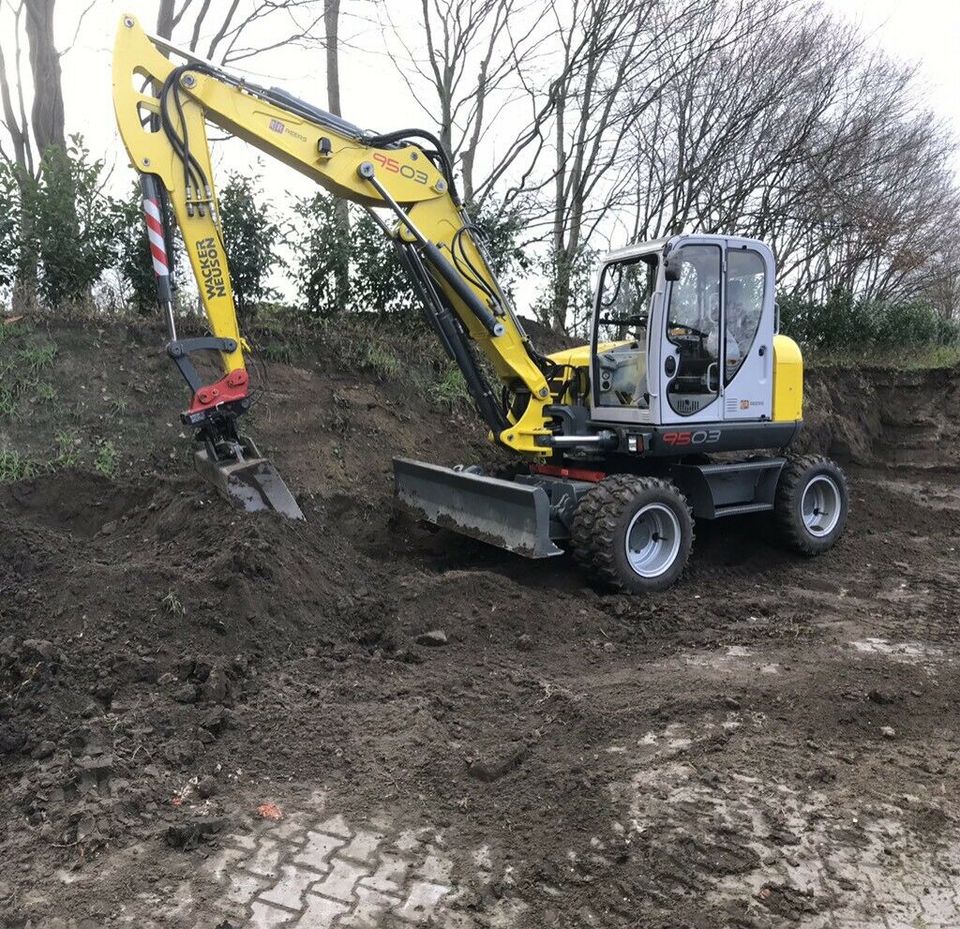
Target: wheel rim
[
  {"x": 653, "y": 540},
  {"x": 820, "y": 505}
]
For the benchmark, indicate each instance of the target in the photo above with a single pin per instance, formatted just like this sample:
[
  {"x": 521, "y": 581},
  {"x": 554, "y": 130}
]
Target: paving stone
[
  {"x": 422, "y": 900},
  {"x": 342, "y": 880},
  {"x": 317, "y": 851},
  {"x": 407, "y": 841},
  {"x": 320, "y": 913},
  {"x": 289, "y": 891},
  {"x": 336, "y": 825},
  {"x": 940, "y": 904},
  {"x": 223, "y": 861},
  {"x": 264, "y": 916},
  {"x": 390, "y": 874},
  {"x": 247, "y": 840},
  {"x": 370, "y": 911},
  {"x": 362, "y": 847},
  {"x": 243, "y": 887},
  {"x": 435, "y": 869},
  {"x": 292, "y": 829},
  {"x": 266, "y": 860}
]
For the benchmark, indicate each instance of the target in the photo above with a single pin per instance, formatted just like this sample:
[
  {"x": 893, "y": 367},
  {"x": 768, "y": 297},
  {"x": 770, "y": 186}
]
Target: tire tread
[
  {"x": 595, "y": 522},
  {"x": 788, "y": 529}
]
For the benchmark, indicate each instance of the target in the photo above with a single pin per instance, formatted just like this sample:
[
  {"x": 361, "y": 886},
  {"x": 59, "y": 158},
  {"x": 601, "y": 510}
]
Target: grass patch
[
  {"x": 25, "y": 359},
  {"x": 8, "y": 398},
  {"x": 450, "y": 390},
  {"x": 107, "y": 458},
  {"x": 67, "y": 445},
  {"x": 381, "y": 361},
  {"x": 172, "y": 604},
  {"x": 909, "y": 358},
  {"x": 17, "y": 467},
  {"x": 34, "y": 358}
]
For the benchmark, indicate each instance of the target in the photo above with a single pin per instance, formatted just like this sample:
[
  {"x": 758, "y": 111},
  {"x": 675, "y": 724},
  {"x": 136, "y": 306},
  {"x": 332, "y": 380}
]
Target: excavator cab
[{"x": 684, "y": 332}]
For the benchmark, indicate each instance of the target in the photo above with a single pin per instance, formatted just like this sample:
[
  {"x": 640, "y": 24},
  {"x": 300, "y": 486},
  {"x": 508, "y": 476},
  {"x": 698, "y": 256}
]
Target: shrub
[
  {"x": 845, "y": 323},
  {"x": 378, "y": 281},
  {"x": 74, "y": 230},
  {"x": 251, "y": 238},
  {"x": 9, "y": 226},
  {"x": 317, "y": 244},
  {"x": 499, "y": 231}
]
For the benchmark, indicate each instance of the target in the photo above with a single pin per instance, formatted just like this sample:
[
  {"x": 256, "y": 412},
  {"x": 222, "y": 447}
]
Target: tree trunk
[
  {"x": 47, "y": 112},
  {"x": 331, "y": 22},
  {"x": 165, "y": 19}
]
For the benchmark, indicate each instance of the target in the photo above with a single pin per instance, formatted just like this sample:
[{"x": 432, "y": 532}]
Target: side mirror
[{"x": 671, "y": 269}]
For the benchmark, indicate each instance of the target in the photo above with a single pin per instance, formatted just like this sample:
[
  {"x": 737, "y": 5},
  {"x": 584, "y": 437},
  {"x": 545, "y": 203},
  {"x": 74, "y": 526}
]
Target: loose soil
[{"x": 771, "y": 743}]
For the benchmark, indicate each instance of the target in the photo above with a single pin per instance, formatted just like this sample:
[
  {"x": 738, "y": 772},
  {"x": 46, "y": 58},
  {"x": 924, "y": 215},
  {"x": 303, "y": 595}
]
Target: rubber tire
[
  {"x": 788, "y": 520},
  {"x": 601, "y": 521}
]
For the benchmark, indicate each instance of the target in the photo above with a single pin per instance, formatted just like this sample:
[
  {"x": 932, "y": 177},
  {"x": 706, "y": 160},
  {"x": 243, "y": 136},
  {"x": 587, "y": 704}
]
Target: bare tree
[
  {"x": 341, "y": 216},
  {"x": 12, "y": 93},
  {"x": 606, "y": 47},
  {"x": 220, "y": 31},
  {"x": 31, "y": 23},
  {"x": 38, "y": 139},
  {"x": 472, "y": 56},
  {"x": 47, "y": 112}
]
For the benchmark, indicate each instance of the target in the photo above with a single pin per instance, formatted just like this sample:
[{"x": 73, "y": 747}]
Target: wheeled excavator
[{"x": 661, "y": 418}]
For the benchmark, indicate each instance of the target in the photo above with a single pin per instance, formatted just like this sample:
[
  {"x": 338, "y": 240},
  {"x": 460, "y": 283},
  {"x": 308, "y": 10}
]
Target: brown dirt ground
[{"x": 629, "y": 762}]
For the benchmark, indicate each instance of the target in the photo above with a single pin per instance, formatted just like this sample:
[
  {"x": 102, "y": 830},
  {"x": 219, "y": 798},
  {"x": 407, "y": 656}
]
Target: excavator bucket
[
  {"x": 507, "y": 514},
  {"x": 250, "y": 480}
]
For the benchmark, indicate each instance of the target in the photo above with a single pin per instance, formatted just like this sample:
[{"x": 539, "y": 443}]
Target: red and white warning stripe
[{"x": 158, "y": 246}]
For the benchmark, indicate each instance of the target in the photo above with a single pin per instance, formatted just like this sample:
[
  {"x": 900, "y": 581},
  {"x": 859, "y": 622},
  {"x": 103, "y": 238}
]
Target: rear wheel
[
  {"x": 811, "y": 504},
  {"x": 633, "y": 533}
]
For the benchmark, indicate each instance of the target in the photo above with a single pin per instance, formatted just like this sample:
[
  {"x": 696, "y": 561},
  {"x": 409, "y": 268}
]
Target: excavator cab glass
[
  {"x": 623, "y": 312},
  {"x": 693, "y": 329}
]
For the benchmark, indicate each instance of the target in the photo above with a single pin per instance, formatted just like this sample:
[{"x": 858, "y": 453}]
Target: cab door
[
  {"x": 748, "y": 330},
  {"x": 690, "y": 333}
]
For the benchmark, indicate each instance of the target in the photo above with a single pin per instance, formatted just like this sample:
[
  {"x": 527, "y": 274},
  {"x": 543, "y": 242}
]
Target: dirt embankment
[
  {"x": 882, "y": 417},
  {"x": 167, "y": 663}
]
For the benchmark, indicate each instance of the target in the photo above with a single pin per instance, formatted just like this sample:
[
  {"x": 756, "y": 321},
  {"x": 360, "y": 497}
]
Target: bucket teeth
[{"x": 253, "y": 483}]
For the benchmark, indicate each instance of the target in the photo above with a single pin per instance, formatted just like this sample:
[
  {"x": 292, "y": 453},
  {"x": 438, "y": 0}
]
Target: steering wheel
[
  {"x": 635, "y": 319},
  {"x": 690, "y": 329}
]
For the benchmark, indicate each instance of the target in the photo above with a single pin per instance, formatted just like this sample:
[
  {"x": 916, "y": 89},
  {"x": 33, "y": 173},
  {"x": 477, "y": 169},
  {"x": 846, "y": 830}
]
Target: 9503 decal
[
  {"x": 691, "y": 437},
  {"x": 394, "y": 167}
]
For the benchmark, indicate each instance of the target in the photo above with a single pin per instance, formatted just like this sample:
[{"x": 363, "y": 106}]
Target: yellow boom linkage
[{"x": 162, "y": 109}]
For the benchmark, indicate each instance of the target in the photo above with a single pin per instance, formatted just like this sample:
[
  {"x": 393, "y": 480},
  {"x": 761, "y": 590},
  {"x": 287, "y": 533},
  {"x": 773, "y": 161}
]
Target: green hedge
[{"x": 849, "y": 323}]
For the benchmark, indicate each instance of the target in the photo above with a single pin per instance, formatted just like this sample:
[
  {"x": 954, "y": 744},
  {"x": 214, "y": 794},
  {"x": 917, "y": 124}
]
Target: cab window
[
  {"x": 623, "y": 306},
  {"x": 693, "y": 327},
  {"x": 746, "y": 281}
]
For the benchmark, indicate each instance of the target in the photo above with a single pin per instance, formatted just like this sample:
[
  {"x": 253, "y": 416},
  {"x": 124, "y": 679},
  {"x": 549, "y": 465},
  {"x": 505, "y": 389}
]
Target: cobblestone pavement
[{"x": 317, "y": 871}]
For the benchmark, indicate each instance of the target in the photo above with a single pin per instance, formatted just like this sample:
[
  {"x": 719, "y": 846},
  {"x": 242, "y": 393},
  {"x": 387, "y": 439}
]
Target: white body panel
[{"x": 749, "y": 395}]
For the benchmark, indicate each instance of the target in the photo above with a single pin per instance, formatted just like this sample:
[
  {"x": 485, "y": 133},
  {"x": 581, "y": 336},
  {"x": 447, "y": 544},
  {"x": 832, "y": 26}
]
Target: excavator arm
[{"x": 163, "y": 106}]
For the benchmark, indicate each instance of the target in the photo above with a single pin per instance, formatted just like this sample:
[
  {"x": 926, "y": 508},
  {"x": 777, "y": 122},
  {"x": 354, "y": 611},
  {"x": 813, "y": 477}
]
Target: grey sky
[{"x": 923, "y": 31}]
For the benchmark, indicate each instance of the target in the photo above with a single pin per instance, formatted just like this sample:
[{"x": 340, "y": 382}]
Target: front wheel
[
  {"x": 811, "y": 504},
  {"x": 633, "y": 533}
]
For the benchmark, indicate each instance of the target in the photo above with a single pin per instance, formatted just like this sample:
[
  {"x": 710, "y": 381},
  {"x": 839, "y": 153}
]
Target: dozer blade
[
  {"x": 252, "y": 482},
  {"x": 503, "y": 513}
]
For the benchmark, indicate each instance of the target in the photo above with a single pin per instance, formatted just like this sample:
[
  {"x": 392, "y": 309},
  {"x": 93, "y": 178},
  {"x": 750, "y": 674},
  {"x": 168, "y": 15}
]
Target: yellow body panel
[
  {"x": 579, "y": 355},
  {"x": 787, "y": 380}
]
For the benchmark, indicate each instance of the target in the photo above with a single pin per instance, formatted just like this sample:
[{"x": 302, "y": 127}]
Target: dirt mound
[{"x": 168, "y": 664}]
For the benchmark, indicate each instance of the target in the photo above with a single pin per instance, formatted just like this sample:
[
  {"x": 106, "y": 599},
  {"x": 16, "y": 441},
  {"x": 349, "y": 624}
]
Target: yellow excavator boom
[{"x": 163, "y": 107}]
